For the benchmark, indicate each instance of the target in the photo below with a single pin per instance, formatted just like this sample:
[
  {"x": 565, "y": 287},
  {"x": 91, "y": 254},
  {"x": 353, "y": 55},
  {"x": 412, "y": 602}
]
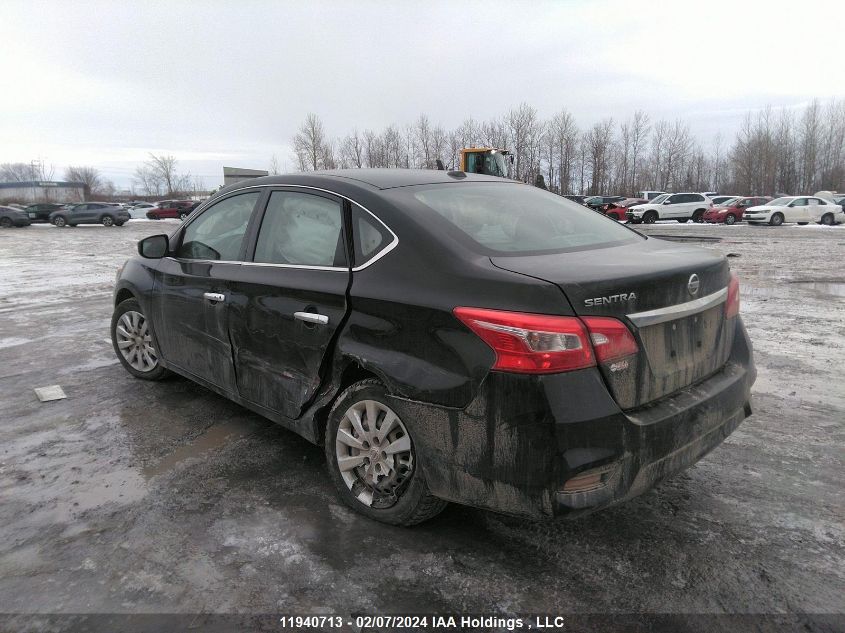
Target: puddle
[
  {"x": 214, "y": 438},
  {"x": 834, "y": 288}
]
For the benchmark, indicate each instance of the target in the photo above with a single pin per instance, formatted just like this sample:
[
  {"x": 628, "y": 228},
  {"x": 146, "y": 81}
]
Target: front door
[
  {"x": 796, "y": 211},
  {"x": 289, "y": 300},
  {"x": 191, "y": 297},
  {"x": 675, "y": 209}
]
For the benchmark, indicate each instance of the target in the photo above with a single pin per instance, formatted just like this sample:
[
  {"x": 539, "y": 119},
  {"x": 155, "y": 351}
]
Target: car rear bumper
[{"x": 558, "y": 445}]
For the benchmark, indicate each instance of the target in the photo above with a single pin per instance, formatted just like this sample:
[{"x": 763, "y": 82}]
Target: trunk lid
[{"x": 636, "y": 283}]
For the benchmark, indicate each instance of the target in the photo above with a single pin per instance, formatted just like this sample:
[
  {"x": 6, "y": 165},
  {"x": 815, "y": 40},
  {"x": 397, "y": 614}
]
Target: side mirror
[
  {"x": 153, "y": 247},
  {"x": 667, "y": 202}
]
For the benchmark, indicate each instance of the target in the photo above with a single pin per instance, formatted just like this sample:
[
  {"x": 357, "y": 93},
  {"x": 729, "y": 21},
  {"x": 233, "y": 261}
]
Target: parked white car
[
  {"x": 139, "y": 211},
  {"x": 798, "y": 209},
  {"x": 671, "y": 206}
]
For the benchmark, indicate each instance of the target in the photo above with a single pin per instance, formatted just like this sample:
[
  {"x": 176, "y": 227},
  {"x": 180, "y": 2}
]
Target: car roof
[{"x": 376, "y": 178}]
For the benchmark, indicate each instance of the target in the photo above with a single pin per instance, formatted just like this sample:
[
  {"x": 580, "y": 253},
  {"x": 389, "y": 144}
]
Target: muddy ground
[{"x": 130, "y": 496}]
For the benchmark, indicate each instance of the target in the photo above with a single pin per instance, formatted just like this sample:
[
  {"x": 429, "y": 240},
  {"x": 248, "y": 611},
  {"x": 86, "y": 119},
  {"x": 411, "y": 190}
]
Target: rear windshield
[{"x": 507, "y": 218}]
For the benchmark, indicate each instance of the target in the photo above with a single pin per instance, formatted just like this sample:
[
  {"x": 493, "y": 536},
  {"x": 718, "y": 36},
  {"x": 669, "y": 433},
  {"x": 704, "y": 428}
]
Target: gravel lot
[{"x": 136, "y": 497}]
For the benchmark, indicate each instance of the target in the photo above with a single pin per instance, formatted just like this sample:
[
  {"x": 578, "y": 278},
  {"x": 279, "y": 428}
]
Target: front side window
[
  {"x": 518, "y": 219},
  {"x": 301, "y": 229},
  {"x": 219, "y": 232},
  {"x": 660, "y": 199},
  {"x": 799, "y": 202}
]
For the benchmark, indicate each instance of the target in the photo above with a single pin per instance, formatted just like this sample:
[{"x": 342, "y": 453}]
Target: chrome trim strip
[
  {"x": 384, "y": 251},
  {"x": 678, "y": 311}
]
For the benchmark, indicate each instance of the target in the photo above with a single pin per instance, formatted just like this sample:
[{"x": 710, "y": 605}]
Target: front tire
[
  {"x": 6, "y": 223},
  {"x": 183, "y": 216},
  {"x": 372, "y": 461},
  {"x": 59, "y": 221},
  {"x": 730, "y": 219},
  {"x": 650, "y": 217},
  {"x": 107, "y": 220},
  {"x": 776, "y": 219},
  {"x": 132, "y": 339}
]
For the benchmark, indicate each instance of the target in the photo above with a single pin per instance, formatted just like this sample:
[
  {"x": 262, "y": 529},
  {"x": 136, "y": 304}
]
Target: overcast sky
[{"x": 214, "y": 83}]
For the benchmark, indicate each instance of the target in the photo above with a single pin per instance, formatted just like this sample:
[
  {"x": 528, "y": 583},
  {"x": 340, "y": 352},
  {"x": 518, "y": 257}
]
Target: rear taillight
[
  {"x": 732, "y": 304},
  {"x": 543, "y": 344},
  {"x": 531, "y": 343},
  {"x": 612, "y": 340}
]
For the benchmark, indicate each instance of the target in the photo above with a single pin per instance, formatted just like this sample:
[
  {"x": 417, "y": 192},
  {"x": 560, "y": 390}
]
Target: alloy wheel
[
  {"x": 730, "y": 219},
  {"x": 135, "y": 341},
  {"x": 374, "y": 453},
  {"x": 59, "y": 221},
  {"x": 107, "y": 220}
]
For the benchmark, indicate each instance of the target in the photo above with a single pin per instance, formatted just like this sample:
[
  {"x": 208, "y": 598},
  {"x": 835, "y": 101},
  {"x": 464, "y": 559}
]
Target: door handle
[
  {"x": 311, "y": 317},
  {"x": 214, "y": 297}
]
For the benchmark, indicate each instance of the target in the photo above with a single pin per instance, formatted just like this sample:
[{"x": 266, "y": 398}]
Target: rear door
[
  {"x": 192, "y": 290},
  {"x": 815, "y": 209},
  {"x": 289, "y": 299}
]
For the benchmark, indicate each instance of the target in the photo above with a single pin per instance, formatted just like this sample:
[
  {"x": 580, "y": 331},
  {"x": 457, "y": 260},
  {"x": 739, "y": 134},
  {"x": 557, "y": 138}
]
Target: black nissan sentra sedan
[{"x": 446, "y": 337}]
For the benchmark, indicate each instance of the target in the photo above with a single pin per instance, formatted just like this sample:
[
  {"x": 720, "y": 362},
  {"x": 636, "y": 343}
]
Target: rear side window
[
  {"x": 219, "y": 232},
  {"x": 301, "y": 229},
  {"x": 518, "y": 219},
  {"x": 369, "y": 236}
]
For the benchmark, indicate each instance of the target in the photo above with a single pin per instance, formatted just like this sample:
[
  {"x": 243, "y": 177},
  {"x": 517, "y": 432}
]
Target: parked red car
[
  {"x": 171, "y": 209},
  {"x": 731, "y": 211},
  {"x": 616, "y": 210}
]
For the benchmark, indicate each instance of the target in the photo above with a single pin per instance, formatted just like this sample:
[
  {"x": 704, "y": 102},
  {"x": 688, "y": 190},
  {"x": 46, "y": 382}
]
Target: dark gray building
[
  {"x": 231, "y": 175},
  {"x": 42, "y": 191}
]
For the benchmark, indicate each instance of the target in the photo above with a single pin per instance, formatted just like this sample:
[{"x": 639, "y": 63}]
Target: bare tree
[
  {"x": 16, "y": 172},
  {"x": 90, "y": 176},
  {"x": 352, "y": 151},
  {"x": 159, "y": 176},
  {"x": 639, "y": 137},
  {"x": 599, "y": 140},
  {"x": 274, "y": 169},
  {"x": 309, "y": 142}
]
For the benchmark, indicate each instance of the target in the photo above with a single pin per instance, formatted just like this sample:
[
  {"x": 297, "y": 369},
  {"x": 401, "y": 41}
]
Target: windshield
[
  {"x": 660, "y": 198},
  {"x": 519, "y": 219},
  {"x": 728, "y": 202},
  {"x": 780, "y": 202}
]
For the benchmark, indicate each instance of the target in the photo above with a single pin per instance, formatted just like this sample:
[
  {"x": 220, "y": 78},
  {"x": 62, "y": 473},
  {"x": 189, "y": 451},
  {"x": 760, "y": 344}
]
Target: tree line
[
  {"x": 775, "y": 151},
  {"x": 157, "y": 176}
]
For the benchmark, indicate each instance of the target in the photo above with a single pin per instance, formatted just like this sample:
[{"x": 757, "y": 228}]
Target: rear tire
[
  {"x": 776, "y": 219},
  {"x": 132, "y": 339},
  {"x": 107, "y": 220},
  {"x": 650, "y": 217},
  {"x": 827, "y": 219},
  {"x": 351, "y": 435},
  {"x": 698, "y": 215},
  {"x": 730, "y": 219},
  {"x": 183, "y": 216},
  {"x": 6, "y": 223}
]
